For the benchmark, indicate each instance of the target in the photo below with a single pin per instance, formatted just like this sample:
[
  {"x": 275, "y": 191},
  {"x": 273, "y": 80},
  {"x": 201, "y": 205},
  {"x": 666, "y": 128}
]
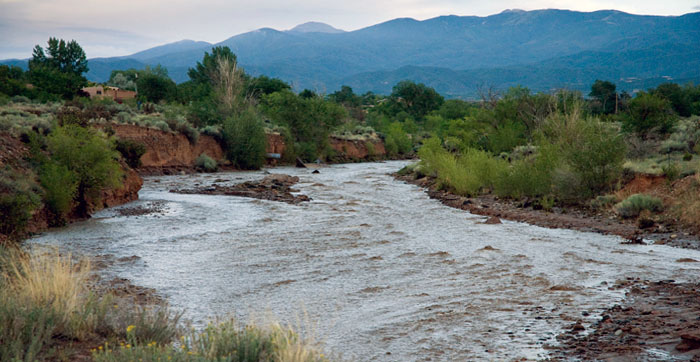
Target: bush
[
  {"x": 245, "y": 140},
  {"x": 371, "y": 151},
  {"x": 635, "y": 204},
  {"x": 671, "y": 171},
  {"x": 603, "y": 202},
  {"x": 61, "y": 186},
  {"x": 531, "y": 176},
  {"x": 90, "y": 156},
  {"x": 206, "y": 163},
  {"x": 19, "y": 197},
  {"x": 131, "y": 151},
  {"x": 225, "y": 341},
  {"x": 20, "y": 99},
  {"x": 648, "y": 113},
  {"x": 213, "y": 131}
]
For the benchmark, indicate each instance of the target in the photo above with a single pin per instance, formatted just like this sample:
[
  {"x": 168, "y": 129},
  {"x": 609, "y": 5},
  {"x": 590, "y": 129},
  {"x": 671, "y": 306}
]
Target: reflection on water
[{"x": 384, "y": 272}]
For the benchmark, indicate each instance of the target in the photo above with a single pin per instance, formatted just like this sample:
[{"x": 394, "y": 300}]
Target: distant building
[{"x": 114, "y": 93}]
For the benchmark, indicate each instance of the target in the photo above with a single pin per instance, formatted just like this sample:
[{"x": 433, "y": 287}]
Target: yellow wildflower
[
  {"x": 130, "y": 328},
  {"x": 128, "y": 345}
]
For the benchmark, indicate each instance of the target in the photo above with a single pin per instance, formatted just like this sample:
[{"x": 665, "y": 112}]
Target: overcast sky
[{"x": 121, "y": 27}]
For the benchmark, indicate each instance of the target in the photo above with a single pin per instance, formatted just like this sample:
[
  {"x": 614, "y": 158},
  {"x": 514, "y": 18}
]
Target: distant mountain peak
[{"x": 315, "y": 27}]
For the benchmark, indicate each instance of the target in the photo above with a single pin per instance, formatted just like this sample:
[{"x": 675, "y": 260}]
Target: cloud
[{"x": 696, "y": 7}]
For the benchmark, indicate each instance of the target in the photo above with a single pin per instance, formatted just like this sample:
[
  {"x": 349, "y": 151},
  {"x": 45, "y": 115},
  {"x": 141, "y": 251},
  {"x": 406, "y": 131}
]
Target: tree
[
  {"x": 219, "y": 85},
  {"x": 310, "y": 120},
  {"x": 12, "y": 80},
  {"x": 155, "y": 88},
  {"x": 605, "y": 95},
  {"x": 415, "y": 99},
  {"x": 245, "y": 140},
  {"x": 678, "y": 97},
  {"x": 647, "y": 113},
  {"x": 59, "y": 72},
  {"x": 346, "y": 97},
  {"x": 263, "y": 85}
]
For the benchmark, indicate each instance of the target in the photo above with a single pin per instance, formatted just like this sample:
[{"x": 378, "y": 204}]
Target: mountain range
[{"x": 541, "y": 49}]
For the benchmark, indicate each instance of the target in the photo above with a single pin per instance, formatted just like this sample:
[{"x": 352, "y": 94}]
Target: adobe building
[{"x": 114, "y": 93}]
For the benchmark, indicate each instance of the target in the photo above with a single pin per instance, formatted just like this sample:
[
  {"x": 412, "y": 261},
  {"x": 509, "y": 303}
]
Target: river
[{"x": 377, "y": 269}]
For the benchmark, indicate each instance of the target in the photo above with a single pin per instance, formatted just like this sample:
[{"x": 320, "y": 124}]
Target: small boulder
[{"x": 493, "y": 220}]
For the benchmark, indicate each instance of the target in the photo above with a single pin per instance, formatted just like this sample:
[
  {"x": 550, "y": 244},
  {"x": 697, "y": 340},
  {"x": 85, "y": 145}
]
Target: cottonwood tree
[{"x": 58, "y": 70}]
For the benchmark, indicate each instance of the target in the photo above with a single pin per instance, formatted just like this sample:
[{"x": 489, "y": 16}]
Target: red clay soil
[{"x": 354, "y": 150}]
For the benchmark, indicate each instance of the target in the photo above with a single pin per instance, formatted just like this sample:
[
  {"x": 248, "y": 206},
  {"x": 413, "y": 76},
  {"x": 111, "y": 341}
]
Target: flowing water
[{"x": 381, "y": 271}]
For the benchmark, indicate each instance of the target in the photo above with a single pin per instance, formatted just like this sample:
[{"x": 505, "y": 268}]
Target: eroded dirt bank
[
  {"x": 13, "y": 154},
  {"x": 170, "y": 153}
]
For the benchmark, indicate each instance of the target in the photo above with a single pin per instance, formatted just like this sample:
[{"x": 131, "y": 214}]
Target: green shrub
[
  {"x": 131, "y": 151},
  {"x": 603, "y": 202},
  {"x": 531, "y": 176},
  {"x": 190, "y": 132},
  {"x": 20, "y": 99},
  {"x": 19, "y": 197},
  {"x": 245, "y": 140},
  {"x": 206, "y": 163},
  {"x": 225, "y": 341},
  {"x": 648, "y": 113},
  {"x": 60, "y": 185},
  {"x": 399, "y": 136},
  {"x": 90, "y": 156},
  {"x": 371, "y": 151},
  {"x": 213, "y": 131},
  {"x": 671, "y": 171},
  {"x": 392, "y": 149},
  {"x": 635, "y": 204}
]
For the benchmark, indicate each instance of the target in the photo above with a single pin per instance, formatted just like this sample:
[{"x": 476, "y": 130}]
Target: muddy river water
[{"x": 379, "y": 270}]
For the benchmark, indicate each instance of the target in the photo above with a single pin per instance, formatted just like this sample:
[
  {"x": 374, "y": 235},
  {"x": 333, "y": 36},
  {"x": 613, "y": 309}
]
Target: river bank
[
  {"x": 656, "y": 320},
  {"x": 379, "y": 279},
  {"x": 574, "y": 218}
]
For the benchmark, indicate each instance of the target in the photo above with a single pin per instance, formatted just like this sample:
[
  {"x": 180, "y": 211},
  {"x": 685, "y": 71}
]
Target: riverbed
[{"x": 374, "y": 267}]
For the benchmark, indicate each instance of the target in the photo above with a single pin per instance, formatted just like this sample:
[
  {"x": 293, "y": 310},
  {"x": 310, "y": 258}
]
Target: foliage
[
  {"x": 60, "y": 185},
  {"x": 263, "y": 85},
  {"x": 593, "y": 152},
  {"x": 648, "y": 113},
  {"x": 60, "y": 71},
  {"x": 19, "y": 197},
  {"x": 131, "y": 151},
  {"x": 397, "y": 140},
  {"x": 206, "y": 163},
  {"x": 12, "y": 81},
  {"x": 223, "y": 341},
  {"x": 605, "y": 95},
  {"x": 90, "y": 156},
  {"x": 415, "y": 99},
  {"x": 245, "y": 140},
  {"x": 155, "y": 88},
  {"x": 309, "y": 120},
  {"x": 635, "y": 204}
]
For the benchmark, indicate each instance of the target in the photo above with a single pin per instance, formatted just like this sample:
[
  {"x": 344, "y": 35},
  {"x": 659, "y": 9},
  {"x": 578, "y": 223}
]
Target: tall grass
[{"x": 224, "y": 341}]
